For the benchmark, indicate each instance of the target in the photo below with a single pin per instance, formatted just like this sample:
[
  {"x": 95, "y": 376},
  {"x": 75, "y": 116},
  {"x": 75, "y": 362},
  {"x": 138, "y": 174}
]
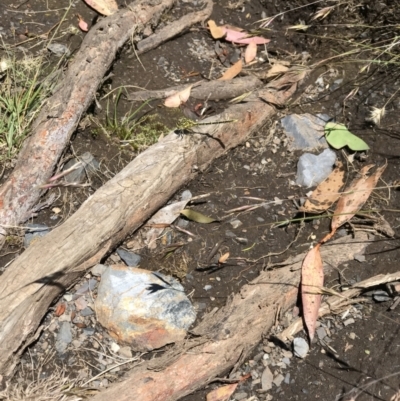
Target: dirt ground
[{"x": 358, "y": 358}]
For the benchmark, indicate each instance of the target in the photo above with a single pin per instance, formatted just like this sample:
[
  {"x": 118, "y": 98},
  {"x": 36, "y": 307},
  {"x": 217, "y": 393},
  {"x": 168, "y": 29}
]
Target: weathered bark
[
  {"x": 48, "y": 266},
  {"x": 229, "y": 335},
  {"x": 60, "y": 116},
  {"x": 175, "y": 28},
  {"x": 213, "y": 90}
]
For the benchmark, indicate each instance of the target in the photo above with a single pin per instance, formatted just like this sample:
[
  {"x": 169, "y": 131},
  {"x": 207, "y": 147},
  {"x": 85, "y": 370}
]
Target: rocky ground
[{"x": 355, "y": 352}]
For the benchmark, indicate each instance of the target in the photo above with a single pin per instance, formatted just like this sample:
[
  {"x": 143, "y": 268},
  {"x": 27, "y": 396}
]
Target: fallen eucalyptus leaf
[{"x": 197, "y": 216}]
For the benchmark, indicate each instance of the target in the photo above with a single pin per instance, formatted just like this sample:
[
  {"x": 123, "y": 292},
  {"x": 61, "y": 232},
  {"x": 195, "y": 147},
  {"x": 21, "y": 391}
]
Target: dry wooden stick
[
  {"x": 60, "y": 116},
  {"x": 175, "y": 28},
  {"x": 213, "y": 90},
  {"x": 226, "y": 337},
  {"x": 51, "y": 264}
]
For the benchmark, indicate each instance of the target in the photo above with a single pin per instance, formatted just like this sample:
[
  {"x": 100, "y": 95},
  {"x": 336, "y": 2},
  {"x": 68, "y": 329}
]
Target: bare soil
[{"x": 351, "y": 356}]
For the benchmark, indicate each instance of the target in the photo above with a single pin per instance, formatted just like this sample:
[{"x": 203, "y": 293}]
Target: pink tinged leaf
[
  {"x": 83, "y": 24},
  {"x": 104, "y": 7},
  {"x": 250, "y": 53},
  {"x": 178, "y": 98},
  {"x": 243, "y": 38},
  {"x": 312, "y": 280}
]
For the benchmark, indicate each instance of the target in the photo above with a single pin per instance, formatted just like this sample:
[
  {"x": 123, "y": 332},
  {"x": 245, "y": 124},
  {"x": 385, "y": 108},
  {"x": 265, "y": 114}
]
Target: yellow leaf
[
  {"x": 223, "y": 258},
  {"x": 178, "y": 98},
  {"x": 196, "y": 216},
  {"x": 217, "y": 32},
  {"x": 222, "y": 393},
  {"x": 232, "y": 71}
]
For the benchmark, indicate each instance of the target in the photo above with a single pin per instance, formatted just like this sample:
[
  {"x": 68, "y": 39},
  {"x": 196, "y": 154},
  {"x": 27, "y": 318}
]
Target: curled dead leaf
[
  {"x": 178, "y": 98},
  {"x": 222, "y": 393},
  {"x": 231, "y": 72},
  {"x": 60, "y": 309},
  {"x": 326, "y": 193},
  {"x": 83, "y": 26},
  {"x": 276, "y": 69},
  {"x": 312, "y": 280},
  {"x": 250, "y": 53},
  {"x": 354, "y": 197},
  {"x": 104, "y": 7},
  {"x": 224, "y": 258},
  {"x": 217, "y": 32}
]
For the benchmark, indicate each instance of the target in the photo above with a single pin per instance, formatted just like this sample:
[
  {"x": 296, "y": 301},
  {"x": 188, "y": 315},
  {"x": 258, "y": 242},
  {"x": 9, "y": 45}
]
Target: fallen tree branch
[
  {"x": 212, "y": 90},
  {"x": 335, "y": 304},
  {"x": 51, "y": 264},
  {"x": 60, "y": 116},
  {"x": 227, "y": 336},
  {"x": 175, "y": 28}
]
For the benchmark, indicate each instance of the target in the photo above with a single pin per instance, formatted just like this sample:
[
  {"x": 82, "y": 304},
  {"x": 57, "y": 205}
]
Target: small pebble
[
  {"x": 266, "y": 379},
  {"x": 300, "y": 347},
  {"x": 352, "y": 336},
  {"x": 114, "y": 347},
  {"x": 287, "y": 378},
  {"x": 349, "y": 321},
  {"x": 236, "y": 223},
  {"x": 278, "y": 380}
]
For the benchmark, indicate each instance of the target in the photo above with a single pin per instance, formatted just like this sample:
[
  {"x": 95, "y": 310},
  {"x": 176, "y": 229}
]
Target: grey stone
[
  {"x": 349, "y": 321},
  {"x": 240, "y": 396},
  {"x": 278, "y": 380},
  {"x": 131, "y": 259},
  {"x": 98, "y": 270},
  {"x": 381, "y": 296},
  {"x": 321, "y": 333},
  {"x": 88, "y": 331},
  {"x": 312, "y": 169},
  {"x": 34, "y": 230},
  {"x": 236, "y": 223},
  {"x": 64, "y": 337},
  {"x": 305, "y": 131},
  {"x": 87, "y": 312},
  {"x": 126, "y": 352},
  {"x": 144, "y": 309},
  {"x": 300, "y": 347},
  {"x": 287, "y": 378},
  {"x": 186, "y": 195},
  {"x": 266, "y": 379},
  {"x": 58, "y": 49},
  {"x": 87, "y": 166}
]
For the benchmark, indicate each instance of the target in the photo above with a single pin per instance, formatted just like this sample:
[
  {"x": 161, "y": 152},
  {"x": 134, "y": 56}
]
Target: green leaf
[
  {"x": 196, "y": 216},
  {"x": 338, "y": 136}
]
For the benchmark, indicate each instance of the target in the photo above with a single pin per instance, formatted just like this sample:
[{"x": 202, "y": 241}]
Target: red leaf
[{"x": 312, "y": 280}]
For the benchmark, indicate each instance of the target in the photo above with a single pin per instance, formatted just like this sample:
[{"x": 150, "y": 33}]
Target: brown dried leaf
[
  {"x": 60, "y": 309},
  {"x": 222, "y": 393},
  {"x": 250, "y": 53},
  {"x": 276, "y": 69},
  {"x": 232, "y": 71},
  {"x": 355, "y": 196},
  {"x": 217, "y": 32},
  {"x": 326, "y": 193},
  {"x": 104, "y": 7},
  {"x": 178, "y": 98},
  {"x": 224, "y": 257},
  {"x": 312, "y": 280}
]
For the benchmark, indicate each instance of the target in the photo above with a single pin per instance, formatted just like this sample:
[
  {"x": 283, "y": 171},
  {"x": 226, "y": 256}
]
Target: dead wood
[
  {"x": 60, "y": 116},
  {"x": 51, "y": 264},
  {"x": 212, "y": 90},
  {"x": 227, "y": 336},
  {"x": 175, "y": 28}
]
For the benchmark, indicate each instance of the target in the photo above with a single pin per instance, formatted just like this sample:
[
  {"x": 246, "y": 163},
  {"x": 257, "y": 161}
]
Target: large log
[
  {"x": 50, "y": 265},
  {"x": 226, "y": 338},
  {"x": 60, "y": 116}
]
